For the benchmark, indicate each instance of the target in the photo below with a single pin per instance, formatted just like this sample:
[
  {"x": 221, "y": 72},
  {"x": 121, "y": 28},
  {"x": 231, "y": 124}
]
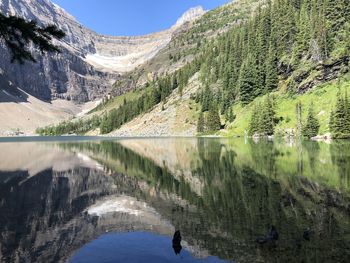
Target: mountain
[
  {"x": 89, "y": 62},
  {"x": 170, "y": 63}
]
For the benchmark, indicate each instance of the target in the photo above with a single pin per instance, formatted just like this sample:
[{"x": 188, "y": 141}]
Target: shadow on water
[{"x": 254, "y": 202}]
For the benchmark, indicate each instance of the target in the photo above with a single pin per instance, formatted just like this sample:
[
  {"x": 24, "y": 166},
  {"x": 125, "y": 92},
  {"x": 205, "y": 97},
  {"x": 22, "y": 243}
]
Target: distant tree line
[{"x": 79, "y": 127}]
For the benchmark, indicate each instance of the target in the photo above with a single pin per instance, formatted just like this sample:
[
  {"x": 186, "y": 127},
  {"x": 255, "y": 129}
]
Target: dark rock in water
[
  {"x": 177, "y": 242},
  {"x": 261, "y": 240},
  {"x": 271, "y": 236},
  {"x": 307, "y": 234}
]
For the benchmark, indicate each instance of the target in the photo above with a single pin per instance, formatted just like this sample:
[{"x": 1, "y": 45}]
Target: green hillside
[{"x": 323, "y": 97}]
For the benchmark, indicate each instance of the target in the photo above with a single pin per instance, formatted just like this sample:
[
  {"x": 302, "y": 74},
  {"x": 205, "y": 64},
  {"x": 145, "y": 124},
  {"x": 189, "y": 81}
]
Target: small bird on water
[{"x": 307, "y": 234}]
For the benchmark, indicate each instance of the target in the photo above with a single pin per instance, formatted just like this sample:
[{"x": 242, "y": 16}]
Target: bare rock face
[
  {"x": 89, "y": 62},
  {"x": 191, "y": 15},
  {"x": 65, "y": 75}
]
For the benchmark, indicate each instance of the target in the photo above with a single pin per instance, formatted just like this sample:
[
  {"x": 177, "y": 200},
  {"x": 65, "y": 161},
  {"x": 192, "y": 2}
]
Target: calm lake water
[{"x": 90, "y": 200}]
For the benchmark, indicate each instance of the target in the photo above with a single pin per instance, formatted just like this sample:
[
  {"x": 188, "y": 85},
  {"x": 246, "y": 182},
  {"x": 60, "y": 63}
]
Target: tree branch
[{"x": 18, "y": 33}]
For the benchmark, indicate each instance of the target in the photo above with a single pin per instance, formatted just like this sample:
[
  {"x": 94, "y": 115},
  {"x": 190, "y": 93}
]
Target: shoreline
[{"x": 27, "y": 138}]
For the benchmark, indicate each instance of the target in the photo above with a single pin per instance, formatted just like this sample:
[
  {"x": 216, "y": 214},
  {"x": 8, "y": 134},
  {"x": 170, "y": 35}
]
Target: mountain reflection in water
[
  {"x": 135, "y": 247},
  {"x": 59, "y": 199}
]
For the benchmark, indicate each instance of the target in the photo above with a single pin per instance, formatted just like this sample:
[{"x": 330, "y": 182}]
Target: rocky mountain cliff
[{"x": 89, "y": 62}]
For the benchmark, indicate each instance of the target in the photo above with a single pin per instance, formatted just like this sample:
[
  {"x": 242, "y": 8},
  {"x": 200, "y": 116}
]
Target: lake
[{"x": 173, "y": 200}]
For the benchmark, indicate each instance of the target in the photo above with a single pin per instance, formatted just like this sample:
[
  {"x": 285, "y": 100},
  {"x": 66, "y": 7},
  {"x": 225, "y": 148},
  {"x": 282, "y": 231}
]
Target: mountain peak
[{"x": 190, "y": 15}]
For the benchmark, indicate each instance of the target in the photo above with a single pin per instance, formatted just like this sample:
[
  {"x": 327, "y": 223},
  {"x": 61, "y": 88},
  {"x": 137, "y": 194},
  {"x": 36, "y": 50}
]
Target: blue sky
[{"x": 131, "y": 17}]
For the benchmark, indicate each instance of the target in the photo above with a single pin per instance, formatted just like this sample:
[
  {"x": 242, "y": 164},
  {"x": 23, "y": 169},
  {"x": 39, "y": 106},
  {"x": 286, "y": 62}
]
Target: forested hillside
[
  {"x": 276, "y": 49},
  {"x": 259, "y": 75}
]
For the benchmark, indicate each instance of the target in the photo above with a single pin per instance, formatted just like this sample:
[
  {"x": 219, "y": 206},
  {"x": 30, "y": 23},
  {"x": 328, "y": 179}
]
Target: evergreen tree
[
  {"x": 229, "y": 116},
  {"x": 226, "y": 102},
  {"x": 299, "y": 113},
  {"x": 267, "y": 122},
  {"x": 213, "y": 122},
  {"x": 263, "y": 118},
  {"x": 335, "y": 12},
  {"x": 346, "y": 125},
  {"x": 271, "y": 70},
  {"x": 155, "y": 97},
  {"x": 207, "y": 98},
  {"x": 284, "y": 26},
  {"x": 339, "y": 116},
  {"x": 303, "y": 36},
  {"x": 200, "y": 124},
  {"x": 312, "y": 125},
  {"x": 247, "y": 81},
  {"x": 320, "y": 42},
  {"x": 339, "y": 123},
  {"x": 254, "y": 124},
  {"x": 261, "y": 46},
  {"x": 343, "y": 43}
]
